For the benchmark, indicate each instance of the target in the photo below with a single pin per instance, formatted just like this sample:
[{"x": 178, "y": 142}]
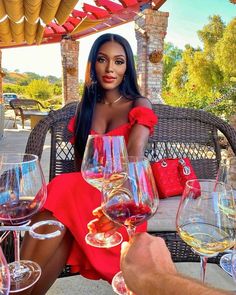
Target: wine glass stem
[
  {"x": 203, "y": 260},
  {"x": 16, "y": 235}
]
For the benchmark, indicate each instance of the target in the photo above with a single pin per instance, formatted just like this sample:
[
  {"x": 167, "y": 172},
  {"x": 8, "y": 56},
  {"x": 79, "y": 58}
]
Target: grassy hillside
[{"x": 24, "y": 79}]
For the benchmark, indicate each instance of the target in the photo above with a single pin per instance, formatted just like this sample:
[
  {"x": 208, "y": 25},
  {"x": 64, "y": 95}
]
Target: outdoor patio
[{"x": 14, "y": 140}]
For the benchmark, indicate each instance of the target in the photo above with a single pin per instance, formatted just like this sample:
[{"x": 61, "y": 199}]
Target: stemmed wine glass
[
  {"x": 4, "y": 275},
  {"x": 204, "y": 220},
  {"x": 233, "y": 263},
  {"x": 100, "y": 149},
  {"x": 22, "y": 193},
  {"x": 130, "y": 202},
  {"x": 227, "y": 174}
]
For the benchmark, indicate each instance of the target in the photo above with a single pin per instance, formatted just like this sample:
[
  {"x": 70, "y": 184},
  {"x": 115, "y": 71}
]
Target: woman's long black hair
[{"x": 92, "y": 90}]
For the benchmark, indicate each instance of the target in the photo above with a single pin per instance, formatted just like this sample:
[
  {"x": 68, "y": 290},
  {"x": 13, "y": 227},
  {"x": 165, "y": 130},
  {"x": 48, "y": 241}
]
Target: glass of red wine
[
  {"x": 100, "y": 149},
  {"x": 129, "y": 203},
  {"x": 22, "y": 193}
]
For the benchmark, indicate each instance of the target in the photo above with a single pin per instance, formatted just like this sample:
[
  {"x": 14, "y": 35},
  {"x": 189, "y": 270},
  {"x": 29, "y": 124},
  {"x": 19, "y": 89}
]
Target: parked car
[{"x": 7, "y": 97}]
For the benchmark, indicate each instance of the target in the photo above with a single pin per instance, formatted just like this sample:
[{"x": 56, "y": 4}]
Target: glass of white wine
[
  {"x": 227, "y": 174},
  {"x": 100, "y": 150},
  {"x": 204, "y": 218}
]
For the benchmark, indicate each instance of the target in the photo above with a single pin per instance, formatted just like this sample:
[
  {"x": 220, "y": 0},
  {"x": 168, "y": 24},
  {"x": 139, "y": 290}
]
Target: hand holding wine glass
[
  {"x": 203, "y": 219},
  {"x": 130, "y": 202},
  {"x": 99, "y": 150}
]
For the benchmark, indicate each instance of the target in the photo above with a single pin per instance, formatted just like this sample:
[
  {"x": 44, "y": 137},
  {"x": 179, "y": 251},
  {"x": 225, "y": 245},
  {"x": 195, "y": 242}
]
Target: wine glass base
[
  {"x": 119, "y": 286},
  {"x": 23, "y": 275},
  {"x": 226, "y": 263},
  {"x": 100, "y": 241}
]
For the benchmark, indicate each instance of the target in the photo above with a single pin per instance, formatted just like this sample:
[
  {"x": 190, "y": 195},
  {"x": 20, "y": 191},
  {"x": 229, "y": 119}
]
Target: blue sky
[
  {"x": 188, "y": 16},
  {"x": 185, "y": 19}
]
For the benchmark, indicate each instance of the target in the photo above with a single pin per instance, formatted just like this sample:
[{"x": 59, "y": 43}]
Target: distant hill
[{"x": 25, "y": 78}]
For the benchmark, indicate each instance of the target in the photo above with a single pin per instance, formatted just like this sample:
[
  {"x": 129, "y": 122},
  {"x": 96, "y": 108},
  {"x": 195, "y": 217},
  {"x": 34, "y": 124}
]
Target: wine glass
[
  {"x": 233, "y": 263},
  {"x": 4, "y": 275},
  {"x": 100, "y": 149},
  {"x": 227, "y": 171},
  {"x": 129, "y": 202},
  {"x": 22, "y": 193},
  {"x": 227, "y": 174},
  {"x": 204, "y": 220}
]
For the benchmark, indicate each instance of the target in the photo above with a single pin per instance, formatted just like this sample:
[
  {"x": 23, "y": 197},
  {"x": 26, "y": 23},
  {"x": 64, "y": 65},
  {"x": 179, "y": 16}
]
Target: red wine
[
  {"x": 18, "y": 212},
  {"x": 128, "y": 213}
]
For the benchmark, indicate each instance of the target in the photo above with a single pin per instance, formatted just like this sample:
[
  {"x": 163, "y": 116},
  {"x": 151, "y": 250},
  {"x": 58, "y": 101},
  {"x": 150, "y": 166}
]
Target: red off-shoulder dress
[{"x": 71, "y": 200}]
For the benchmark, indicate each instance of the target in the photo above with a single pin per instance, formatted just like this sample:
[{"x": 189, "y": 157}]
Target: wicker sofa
[{"x": 181, "y": 132}]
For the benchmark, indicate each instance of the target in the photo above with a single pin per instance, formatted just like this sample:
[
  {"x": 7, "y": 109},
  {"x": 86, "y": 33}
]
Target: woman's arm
[{"x": 139, "y": 134}]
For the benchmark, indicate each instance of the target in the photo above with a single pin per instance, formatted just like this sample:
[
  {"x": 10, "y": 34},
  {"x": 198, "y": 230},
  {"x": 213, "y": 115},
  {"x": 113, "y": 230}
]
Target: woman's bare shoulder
[{"x": 143, "y": 102}]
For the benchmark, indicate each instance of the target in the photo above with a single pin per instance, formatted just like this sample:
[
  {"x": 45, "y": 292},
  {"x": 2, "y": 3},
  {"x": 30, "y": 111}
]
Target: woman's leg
[{"x": 50, "y": 254}]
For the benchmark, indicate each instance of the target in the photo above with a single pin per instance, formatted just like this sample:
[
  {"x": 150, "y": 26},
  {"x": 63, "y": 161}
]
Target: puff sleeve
[{"x": 143, "y": 116}]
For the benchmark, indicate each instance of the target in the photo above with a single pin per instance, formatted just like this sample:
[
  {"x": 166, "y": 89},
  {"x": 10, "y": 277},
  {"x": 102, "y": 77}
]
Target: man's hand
[{"x": 144, "y": 257}]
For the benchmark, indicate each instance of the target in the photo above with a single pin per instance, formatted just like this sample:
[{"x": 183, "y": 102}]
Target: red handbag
[{"x": 171, "y": 175}]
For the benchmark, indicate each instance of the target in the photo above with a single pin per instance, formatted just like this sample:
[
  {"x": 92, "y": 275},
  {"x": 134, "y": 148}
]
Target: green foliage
[
  {"x": 225, "y": 50},
  {"x": 81, "y": 88},
  {"x": 57, "y": 89},
  {"x": 13, "y": 88},
  {"x": 39, "y": 89},
  {"x": 205, "y": 74},
  {"x": 48, "y": 89},
  {"x": 212, "y": 32},
  {"x": 25, "y": 78},
  {"x": 54, "y": 103},
  {"x": 172, "y": 55}
]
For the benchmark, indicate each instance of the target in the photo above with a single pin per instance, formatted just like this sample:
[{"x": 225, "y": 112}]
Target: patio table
[
  {"x": 164, "y": 220},
  {"x": 35, "y": 117}
]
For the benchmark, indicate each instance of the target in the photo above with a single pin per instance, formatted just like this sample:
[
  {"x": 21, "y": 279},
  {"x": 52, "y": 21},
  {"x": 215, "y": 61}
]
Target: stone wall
[
  {"x": 69, "y": 57},
  {"x": 150, "y": 30}
]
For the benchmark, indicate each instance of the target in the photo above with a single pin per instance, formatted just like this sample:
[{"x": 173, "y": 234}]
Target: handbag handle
[{"x": 186, "y": 169}]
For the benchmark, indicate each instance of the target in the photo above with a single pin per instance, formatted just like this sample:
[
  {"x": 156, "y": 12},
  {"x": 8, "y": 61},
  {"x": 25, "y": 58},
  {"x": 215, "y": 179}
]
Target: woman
[{"x": 111, "y": 104}]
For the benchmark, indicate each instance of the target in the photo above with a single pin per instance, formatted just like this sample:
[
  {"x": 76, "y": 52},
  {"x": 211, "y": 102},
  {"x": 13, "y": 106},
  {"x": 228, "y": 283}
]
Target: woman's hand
[{"x": 102, "y": 224}]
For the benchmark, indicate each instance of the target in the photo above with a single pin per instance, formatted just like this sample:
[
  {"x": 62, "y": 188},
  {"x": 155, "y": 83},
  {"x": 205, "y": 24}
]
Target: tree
[
  {"x": 206, "y": 74},
  {"x": 225, "y": 51},
  {"x": 172, "y": 55},
  {"x": 212, "y": 32},
  {"x": 39, "y": 89}
]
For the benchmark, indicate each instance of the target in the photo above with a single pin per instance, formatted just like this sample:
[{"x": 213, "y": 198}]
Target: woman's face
[{"x": 110, "y": 65}]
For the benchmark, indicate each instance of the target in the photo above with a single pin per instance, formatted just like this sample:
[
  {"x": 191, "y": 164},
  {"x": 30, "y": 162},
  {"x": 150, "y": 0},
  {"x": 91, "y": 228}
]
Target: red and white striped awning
[{"x": 33, "y": 22}]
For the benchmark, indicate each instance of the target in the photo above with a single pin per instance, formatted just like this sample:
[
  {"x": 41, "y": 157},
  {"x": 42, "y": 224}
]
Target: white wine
[
  {"x": 205, "y": 238},
  {"x": 115, "y": 180}
]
